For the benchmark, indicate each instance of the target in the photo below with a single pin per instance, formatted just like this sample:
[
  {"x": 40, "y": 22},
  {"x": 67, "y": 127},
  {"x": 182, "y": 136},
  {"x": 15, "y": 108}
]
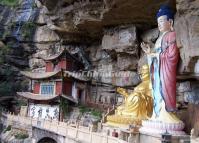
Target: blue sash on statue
[{"x": 154, "y": 67}]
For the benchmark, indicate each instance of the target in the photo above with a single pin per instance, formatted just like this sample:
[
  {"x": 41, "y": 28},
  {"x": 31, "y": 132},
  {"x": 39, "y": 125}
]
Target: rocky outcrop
[
  {"x": 43, "y": 34},
  {"x": 12, "y": 58},
  {"x": 83, "y": 116},
  {"x": 186, "y": 26},
  {"x": 106, "y": 34},
  {"x": 121, "y": 40},
  {"x": 92, "y": 16},
  {"x": 188, "y": 92}
]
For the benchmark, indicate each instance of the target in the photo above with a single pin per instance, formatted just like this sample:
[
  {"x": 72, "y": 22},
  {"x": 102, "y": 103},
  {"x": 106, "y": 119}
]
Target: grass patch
[
  {"x": 11, "y": 3},
  {"x": 96, "y": 113},
  {"x": 20, "y": 103},
  {"x": 27, "y": 30},
  {"x": 8, "y": 128},
  {"x": 21, "y": 136},
  {"x": 5, "y": 50},
  {"x": 83, "y": 109},
  {"x": 92, "y": 111},
  {"x": 64, "y": 106}
]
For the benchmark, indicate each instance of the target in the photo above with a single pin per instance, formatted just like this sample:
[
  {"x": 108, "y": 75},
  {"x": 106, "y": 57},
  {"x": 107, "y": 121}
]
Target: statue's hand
[
  {"x": 120, "y": 90},
  {"x": 154, "y": 54},
  {"x": 145, "y": 47}
]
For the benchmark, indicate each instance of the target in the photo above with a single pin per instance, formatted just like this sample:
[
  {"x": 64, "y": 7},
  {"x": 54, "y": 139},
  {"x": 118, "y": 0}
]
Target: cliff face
[
  {"x": 110, "y": 29},
  {"x": 187, "y": 33},
  {"x": 105, "y": 35},
  {"x": 109, "y": 33},
  {"x": 90, "y": 21},
  {"x": 16, "y": 28},
  {"x": 87, "y": 19}
]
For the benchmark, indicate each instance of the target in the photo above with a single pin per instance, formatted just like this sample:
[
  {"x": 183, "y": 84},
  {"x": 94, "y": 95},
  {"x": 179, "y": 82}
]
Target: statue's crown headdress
[{"x": 165, "y": 10}]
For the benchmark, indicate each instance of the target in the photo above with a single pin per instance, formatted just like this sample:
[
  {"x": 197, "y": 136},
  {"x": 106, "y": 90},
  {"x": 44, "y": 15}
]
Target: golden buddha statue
[{"x": 137, "y": 105}]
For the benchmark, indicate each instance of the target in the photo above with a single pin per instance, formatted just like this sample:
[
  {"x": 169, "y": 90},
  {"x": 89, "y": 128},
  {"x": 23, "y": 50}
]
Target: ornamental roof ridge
[
  {"x": 41, "y": 97},
  {"x": 33, "y": 96},
  {"x": 53, "y": 57},
  {"x": 40, "y": 75}
]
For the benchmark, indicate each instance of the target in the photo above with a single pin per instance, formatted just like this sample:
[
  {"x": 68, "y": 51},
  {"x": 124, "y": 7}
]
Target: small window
[{"x": 47, "y": 88}]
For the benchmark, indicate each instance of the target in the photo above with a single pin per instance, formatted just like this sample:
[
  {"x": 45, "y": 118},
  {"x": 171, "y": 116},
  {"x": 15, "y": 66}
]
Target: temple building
[{"x": 52, "y": 90}]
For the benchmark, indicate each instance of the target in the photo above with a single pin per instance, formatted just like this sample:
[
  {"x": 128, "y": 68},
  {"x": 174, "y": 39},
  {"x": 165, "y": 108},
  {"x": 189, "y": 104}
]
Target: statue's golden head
[{"x": 144, "y": 72}]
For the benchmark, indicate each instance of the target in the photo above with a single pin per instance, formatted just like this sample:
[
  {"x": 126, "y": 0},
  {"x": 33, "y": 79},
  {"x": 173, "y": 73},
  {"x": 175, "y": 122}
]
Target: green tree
[{"x": 11, "y": 3}]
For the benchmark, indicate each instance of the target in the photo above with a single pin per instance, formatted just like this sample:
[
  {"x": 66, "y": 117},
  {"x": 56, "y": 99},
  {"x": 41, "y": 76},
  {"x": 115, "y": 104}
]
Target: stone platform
[
  {"x": 124, "y": 132},
  {"x": 133, "y": 135},
  {"x": 158, "y": 138},
  {"x": 195, "y": 140}
]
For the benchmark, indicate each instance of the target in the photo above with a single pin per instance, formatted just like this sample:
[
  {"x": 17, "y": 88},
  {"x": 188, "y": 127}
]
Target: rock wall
[
  {"x": 110, "y": 38},
  {"x": 186, "y": 25},
  {"x": 13, "y": 58},
  {"x": 116, "y": 28},
  {"x": 105, "y": 35}
]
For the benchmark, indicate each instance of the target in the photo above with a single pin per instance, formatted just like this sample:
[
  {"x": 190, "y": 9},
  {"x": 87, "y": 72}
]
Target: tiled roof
[
  {"x": 40, "y": 97},
  {"x": 39, "y": 75},
  {"x": 52, "y": 57},
  {"x": 33, "y": 96}
]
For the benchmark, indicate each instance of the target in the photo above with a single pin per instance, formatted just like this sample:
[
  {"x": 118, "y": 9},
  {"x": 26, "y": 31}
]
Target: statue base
[
  {"x": 163, "y": 138},
  {"x": 130, "y": 128},
  {"x": 194, "y": 140},
  {"x": 157, "y": 127},
  {"x": 118, "y": 120}
]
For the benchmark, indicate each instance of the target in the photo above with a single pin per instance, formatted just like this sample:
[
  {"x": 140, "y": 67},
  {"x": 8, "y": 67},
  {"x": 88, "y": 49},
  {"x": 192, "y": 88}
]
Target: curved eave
[
  {"x": 53, "y": 57},
  {"x": 70, "y": 98},
  {"x": 36, "y": 75},
  {"x": 37, "y": 97}
]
